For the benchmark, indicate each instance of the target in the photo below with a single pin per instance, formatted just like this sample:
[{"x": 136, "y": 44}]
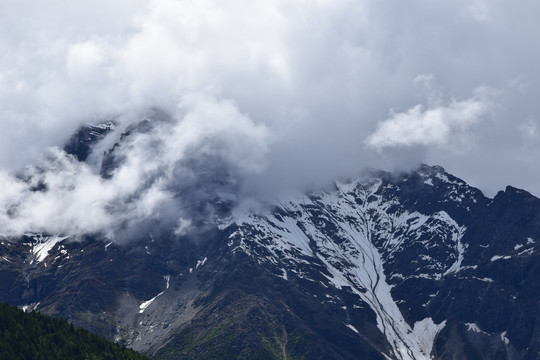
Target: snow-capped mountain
[{"x": 415, "y": 265}]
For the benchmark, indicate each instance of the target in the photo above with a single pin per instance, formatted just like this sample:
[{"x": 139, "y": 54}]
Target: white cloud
[
  {"x": 184, "y": 225},
  {"x": 286, "y": 93},
  {"x": 83, "y": 58},
  {"x": 151, "y": 171},
  {"x": 436, "y": 126}
]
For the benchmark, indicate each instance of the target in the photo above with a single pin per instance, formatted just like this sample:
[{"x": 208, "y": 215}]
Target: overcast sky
[{"x": 322, "y": 88}]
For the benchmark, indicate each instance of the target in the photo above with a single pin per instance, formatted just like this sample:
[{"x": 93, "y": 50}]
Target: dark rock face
[
  {"x": 500, "y": 283},
  {"x": 401, "y": 266},
  {"x": 80, "y": 144}
]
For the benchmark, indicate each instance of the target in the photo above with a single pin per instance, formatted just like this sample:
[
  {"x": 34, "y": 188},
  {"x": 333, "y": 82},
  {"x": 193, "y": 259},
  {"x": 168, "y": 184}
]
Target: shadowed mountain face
[{"x": 414, "y": 265}]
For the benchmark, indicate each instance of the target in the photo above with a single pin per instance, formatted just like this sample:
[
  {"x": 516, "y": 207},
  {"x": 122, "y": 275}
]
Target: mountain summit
[{"x": 413, "y": 265}]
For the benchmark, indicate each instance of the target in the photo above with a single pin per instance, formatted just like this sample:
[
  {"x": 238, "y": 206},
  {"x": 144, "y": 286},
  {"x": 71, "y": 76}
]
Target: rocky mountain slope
[{"x": 414, "y": 265}]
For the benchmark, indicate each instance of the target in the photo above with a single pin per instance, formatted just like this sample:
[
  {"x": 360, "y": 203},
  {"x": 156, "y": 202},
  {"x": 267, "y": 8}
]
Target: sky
[{"x": 284, "y": 94}]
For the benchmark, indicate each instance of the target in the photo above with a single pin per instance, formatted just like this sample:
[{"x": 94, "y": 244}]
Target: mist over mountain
[{"x": 369, "y": 83}]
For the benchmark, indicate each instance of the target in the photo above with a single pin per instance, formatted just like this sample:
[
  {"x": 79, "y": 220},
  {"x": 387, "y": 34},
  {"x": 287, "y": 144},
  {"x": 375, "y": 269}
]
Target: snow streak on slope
[
  {"x": 353, "y": 231},
  {"x": 44, "y": 244},
  {"x": 147, "y": 303}
]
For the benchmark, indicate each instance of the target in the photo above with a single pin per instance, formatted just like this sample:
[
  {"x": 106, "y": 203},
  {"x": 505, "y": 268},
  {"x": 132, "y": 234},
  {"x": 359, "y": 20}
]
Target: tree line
[{"x": 29, "y": 336}]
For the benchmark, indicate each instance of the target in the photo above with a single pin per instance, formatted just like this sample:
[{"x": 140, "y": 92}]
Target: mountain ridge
[{"x": 410, "y": 265}]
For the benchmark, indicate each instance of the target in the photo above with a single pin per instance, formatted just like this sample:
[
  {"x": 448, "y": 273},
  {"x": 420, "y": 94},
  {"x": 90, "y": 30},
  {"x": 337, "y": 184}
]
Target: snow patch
[
  {"x": 45, "y": 244},
  {"x": 498, "y": 257},
  {"x": 473, "y": 267},
  {"x": 109, "y": 125},
  {"x": 167, "y": 278},
  {"x": 473, "y": 327},
  {"x": 200, "y": 262},
  {"x": 526, "y": 252},
  {"x": 145, "y": 304},
  {"x": 352, "y": 328},
  {"x": 460, "y": 247},
  {"x": 30, "y": 307},
  {"x": 504, "y": 338},
  {"x": 425, "y": 331}
]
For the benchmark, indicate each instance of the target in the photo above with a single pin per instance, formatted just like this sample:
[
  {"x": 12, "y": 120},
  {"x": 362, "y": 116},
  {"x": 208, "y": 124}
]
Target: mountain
[
  {"x": 28, "y": 336},
  {"x": 412, "y": 265}
]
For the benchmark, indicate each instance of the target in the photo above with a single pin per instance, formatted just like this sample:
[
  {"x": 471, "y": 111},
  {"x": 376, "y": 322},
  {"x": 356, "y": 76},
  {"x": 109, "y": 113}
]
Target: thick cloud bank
[
  {"x": 275, "y": 94},
  {"x": 163, "y": 170}
]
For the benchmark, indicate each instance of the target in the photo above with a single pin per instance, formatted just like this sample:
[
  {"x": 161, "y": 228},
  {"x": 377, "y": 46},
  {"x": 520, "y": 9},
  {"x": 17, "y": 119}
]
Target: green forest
[{"x": 28, "y": 336}]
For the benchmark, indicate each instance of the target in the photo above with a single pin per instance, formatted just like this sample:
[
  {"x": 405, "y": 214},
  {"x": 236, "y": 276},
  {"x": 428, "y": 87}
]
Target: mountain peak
[
  {"x": 394, "y": 265},
  {"x": 81, "y": 142}
]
